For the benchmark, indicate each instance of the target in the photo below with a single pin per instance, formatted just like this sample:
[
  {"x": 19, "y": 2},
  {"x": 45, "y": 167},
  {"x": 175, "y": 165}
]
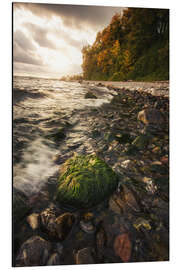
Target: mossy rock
[
  {"x": 90, "y": 95},
  {"x": 85, "y": 181}
]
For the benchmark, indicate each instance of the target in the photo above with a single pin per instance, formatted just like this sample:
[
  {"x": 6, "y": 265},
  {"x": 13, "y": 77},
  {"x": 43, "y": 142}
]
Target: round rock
[
  {"x": 34, "y": 252},
  {"x": 151, "y": 116},
  {"x": 85, "y": 181}
]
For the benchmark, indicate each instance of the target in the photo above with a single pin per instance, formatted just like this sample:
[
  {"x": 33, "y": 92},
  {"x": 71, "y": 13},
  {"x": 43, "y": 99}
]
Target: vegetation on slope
[{"x": 135, "y": 45}]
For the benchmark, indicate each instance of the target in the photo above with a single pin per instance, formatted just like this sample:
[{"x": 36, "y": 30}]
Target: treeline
[
  {"x": 134, "y": 46},
  {"x": 68, "y": 78}
]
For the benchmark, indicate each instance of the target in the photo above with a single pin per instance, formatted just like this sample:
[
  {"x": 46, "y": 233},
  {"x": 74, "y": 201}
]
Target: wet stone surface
[{"x": 132, "y": 223}]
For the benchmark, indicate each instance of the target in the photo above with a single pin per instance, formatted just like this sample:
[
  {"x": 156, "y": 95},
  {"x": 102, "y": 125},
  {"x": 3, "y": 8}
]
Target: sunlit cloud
[{"x": 48, "y": 39}]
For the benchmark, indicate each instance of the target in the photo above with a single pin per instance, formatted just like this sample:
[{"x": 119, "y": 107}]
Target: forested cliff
[{"x": 134, "y": 46}]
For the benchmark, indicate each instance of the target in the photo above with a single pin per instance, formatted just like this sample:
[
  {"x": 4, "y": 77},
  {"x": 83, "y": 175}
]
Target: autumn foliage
[{"x": 135, "y": 45}]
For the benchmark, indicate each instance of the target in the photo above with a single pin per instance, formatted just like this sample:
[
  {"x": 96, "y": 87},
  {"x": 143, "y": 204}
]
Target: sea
[{"x": 40, "y": 107}]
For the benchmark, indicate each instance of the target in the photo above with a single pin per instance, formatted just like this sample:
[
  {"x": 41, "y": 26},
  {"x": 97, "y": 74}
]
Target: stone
[
  {"x": 20, "y": 205},
  {"x": 116, "y": 205},
  {"x": 34, "y": 252},
  {"x": 84, "y": 256},
  {"x": 57, "y": 135},
  {"x": 85, "y": 181},
  {"x": 87, "y": 226},
  {"x": 64, "y": 224},
  {"x": 141, "y": 222},
  {"x": 90, "y": 95},
  {"x": 33, "y": 221},
  {"x": 59, "y": 227},
  {"x": 123, "y": 138},
  {"x": 120, "y": 202},
  {"x": 123, "y": 247},
  {"x": 47, "y": 220},
  {"x": 149, "y": 185},
  {"x": 151, "y": 116},
  {"x": 141, "y": 142},
  {"x": 54, "y": 259},
  {"x": 101, "y": 241}
]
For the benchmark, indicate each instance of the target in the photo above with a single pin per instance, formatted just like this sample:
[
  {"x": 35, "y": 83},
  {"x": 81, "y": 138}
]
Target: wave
[{"x": 21, "y": 94}]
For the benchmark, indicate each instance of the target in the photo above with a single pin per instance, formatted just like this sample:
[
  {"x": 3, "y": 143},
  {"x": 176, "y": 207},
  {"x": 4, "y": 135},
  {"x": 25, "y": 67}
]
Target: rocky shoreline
[{"x": 131, "y": 136}]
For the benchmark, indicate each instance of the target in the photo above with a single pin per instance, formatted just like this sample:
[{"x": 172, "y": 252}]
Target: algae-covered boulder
[{"x": 85, "y": 181}]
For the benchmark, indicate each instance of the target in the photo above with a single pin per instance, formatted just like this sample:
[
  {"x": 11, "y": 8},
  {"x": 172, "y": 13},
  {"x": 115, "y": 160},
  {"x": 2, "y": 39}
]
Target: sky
[{"x": 48, "y": 38}]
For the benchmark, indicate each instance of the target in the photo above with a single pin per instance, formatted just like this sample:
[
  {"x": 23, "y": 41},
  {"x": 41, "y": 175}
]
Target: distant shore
[{"x": 157, "y": 88}]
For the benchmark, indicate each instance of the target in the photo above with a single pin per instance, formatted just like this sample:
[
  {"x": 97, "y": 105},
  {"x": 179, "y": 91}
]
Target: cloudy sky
[{"x": 48, "y": 38}]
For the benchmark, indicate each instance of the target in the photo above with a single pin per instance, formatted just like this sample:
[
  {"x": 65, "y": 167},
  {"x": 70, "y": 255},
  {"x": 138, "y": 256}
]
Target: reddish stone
[
  {"x": 165, "y": 160},
  {"x": 122, "y": 247}
]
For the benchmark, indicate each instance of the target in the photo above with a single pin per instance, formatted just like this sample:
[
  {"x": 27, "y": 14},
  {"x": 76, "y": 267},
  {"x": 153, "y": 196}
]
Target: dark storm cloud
[
  {"x": 39, "y": 34},
  {"x": 73, "y": 15}
]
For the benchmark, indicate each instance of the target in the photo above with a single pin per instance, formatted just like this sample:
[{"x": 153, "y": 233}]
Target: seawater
[{"x": 39, "y": 107}]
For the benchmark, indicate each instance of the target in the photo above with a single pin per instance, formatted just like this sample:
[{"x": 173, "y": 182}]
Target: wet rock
[
  {"x": 123, "y": 138},
  {"x": 47, "y": 219},
  {"x": 59, "y": 248},
  {"x": 165, "y": 160},
  {"x": 56, "y": 228},
  {"x": 124, "y": 199},
  {"x": 57, "y": 135},
  {"x": 151, "y": 117},
  {"x": 87, "y": 226},
  {"x": 141, "y": 142},
  {"x": 20, "y": 205},
  {"x": 116, "y": 204},
  {"x": 130, "y": 199},
  {"x": 39, "y": 199},
  {"x": 84, "y": 256},
  {"x": 125, "y": 163},
  {"x": 64, "y": 225},
  {"x": 141, "y": 222},
  {"x": 101, "y": 241},
  {"x": 33, "y": 221},
  {"x": 85, "y": 181},
  {"x": 34, "y": 252},
  {"x": 55, "y": 259},
  {"x": 149, "y": 185},
  {"x": 90, "y": 95},
  {"x": 88, "y": 216},
  {"x": 123, "y": 247}
]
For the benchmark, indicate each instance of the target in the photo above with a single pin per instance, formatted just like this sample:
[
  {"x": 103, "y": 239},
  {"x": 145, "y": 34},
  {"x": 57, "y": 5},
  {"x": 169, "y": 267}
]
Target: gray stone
[
  {"x": 34, "y": 252},
  {"x": 151, "y": 116}
]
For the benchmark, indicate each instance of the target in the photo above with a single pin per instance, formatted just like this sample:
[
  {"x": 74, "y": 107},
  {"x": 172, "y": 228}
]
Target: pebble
[
  {"x": 123, "y": 247},
  {"x": 84, "y": 256},
  {"x": 87, "y": 226},
  {"x": 141, "y": 222},
  {"x": 54, "y": 259},
  {"x": 33, "y": 221}
]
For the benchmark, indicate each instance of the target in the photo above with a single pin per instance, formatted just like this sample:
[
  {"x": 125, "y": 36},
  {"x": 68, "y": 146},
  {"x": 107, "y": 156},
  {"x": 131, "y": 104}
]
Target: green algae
[{"x": 85, "y": 181}]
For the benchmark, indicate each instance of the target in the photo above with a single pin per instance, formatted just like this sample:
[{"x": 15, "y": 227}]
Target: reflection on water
[{"x": 40, "y": 108}]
